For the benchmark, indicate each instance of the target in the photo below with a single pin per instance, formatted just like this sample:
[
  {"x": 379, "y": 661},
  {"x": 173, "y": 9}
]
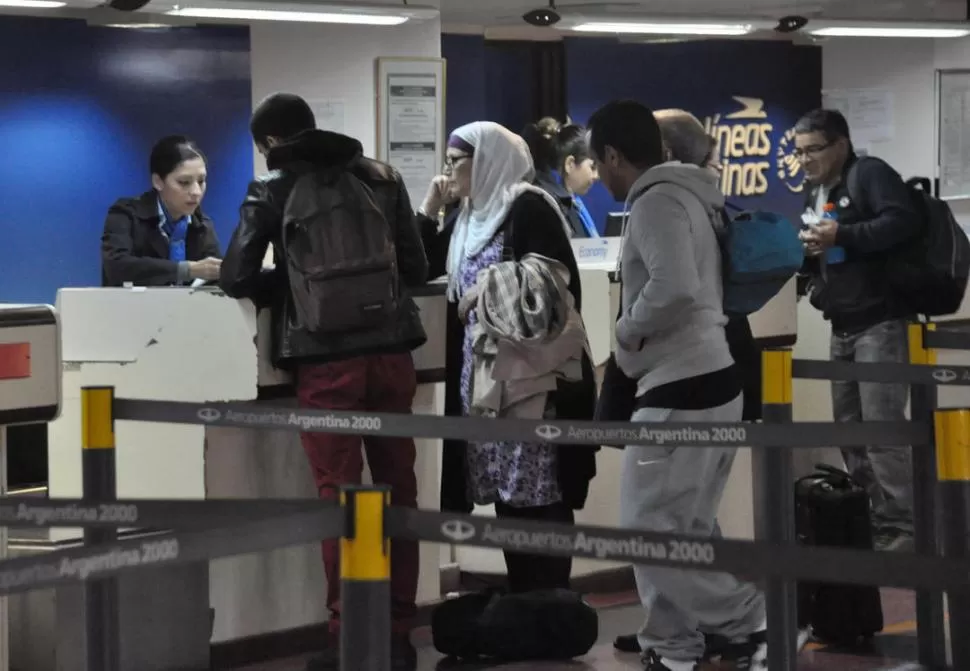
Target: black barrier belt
[
  {"x": 707, "y": 554},
  {"x": 902, "y": 373},
  {"x": 944, "y": 339},
  {"x": 92, "y": 562},
  {"x": 699, "y": 434},
  {"x": 150, "y": 514}
]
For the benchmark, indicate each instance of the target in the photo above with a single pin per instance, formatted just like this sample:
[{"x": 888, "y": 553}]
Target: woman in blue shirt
[
  {"x": 162, "y": 237},
  {"x": 565, "y": 170}
]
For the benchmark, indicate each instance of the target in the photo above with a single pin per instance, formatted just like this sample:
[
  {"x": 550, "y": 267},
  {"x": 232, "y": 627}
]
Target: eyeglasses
[
  {"x": 814, "y": 150},
  {"x": 452, "y": 161}
]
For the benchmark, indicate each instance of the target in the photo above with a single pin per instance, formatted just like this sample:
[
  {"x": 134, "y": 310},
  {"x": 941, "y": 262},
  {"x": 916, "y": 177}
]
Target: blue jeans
[{"x": 886, "y": 471}]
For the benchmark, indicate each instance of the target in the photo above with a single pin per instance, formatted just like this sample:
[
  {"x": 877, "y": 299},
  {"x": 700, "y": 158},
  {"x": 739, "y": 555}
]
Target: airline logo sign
[{"x": 14, "y": 361}]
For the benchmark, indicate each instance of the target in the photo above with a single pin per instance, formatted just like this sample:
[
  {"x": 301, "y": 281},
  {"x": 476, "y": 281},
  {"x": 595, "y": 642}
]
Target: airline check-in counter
[
  {"x": 774, "y": 326},
  {"x": 194, "y": 345},
  {"x": 30, "y": 391}
]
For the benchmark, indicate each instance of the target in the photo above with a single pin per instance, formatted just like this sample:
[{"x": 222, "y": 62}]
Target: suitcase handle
[{"x": 842, "y": 475}]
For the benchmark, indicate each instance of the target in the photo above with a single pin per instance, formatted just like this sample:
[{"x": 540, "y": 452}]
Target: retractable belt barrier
[
  {"x": 559, "y": 432},
  {"x": 226, "y": 528},
  {"x": 159, "y": 533}
]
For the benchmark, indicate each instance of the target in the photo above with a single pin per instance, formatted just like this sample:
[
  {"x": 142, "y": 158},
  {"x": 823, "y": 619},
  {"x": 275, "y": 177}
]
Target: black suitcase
[{"x": 832, "y": 509}]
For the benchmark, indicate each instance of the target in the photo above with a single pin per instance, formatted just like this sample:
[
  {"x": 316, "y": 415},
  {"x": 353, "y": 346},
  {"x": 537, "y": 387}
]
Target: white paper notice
[
  {"x": 412, "y": 129},
  {"x": 954, "y": 135},
  {"x": 868, "y": 111},
  {"x": 329, "y": 114}
]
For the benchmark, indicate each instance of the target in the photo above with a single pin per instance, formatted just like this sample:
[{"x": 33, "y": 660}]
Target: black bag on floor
[
  {"x": 539, "y": 625},
  {"x": 832, "y": 509}
]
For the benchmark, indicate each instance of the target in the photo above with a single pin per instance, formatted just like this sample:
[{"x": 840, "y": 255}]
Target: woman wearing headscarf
[{"x": 503, "y": 217}]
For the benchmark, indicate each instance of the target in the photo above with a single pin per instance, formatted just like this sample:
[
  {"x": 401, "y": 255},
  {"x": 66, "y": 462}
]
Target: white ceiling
[
  {"x": 490, "y": 12},
  {"x": 508, "y": 13}
]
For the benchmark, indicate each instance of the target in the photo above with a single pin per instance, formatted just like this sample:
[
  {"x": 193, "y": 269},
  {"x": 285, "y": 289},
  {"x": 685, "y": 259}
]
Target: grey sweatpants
[
  {"x": 678, "y": 490},
  {"x": 886, "y": 471}
]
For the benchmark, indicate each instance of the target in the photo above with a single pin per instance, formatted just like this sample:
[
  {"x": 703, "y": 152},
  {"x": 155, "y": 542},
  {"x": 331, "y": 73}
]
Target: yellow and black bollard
[
  {"x": 365, "y": 580},
  {"x": 774, "y": 507},
  {"x": 930, "y": 625},
  {"x": 953, "y": 473},
  {"x": 98, "y": 464}
]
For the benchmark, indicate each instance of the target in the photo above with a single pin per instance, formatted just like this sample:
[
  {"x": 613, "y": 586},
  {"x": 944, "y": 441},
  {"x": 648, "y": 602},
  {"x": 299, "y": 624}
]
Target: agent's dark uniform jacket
[
  {"x": 260, "y": 225},
  {"x": 133, "y": 249},
  {"x": 854, "y": 295}
]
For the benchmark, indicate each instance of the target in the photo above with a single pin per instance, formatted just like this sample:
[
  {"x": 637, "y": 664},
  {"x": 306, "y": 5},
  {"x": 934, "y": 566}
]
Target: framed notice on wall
[
  {"x": 411, "y": 119},
  {"x": 953, "y": 128}
]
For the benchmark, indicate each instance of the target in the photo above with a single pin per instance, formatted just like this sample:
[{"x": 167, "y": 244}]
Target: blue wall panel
[
  {"x": 78, "y": 116},
  {"x": 781, "y": 82},
  {"x": 465, "y": 62}
]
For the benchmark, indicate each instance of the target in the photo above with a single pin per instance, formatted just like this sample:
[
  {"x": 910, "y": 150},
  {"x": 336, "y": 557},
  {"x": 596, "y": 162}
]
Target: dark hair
[
  {"x": 171, "y": 152},
  {"x": 830, "y": 123},
  {"x": 542, "y": 146},
  {"x": 571, "y": 141},
  {"x": 281, "y": 115},
  {"x": 631, "y": 129}
]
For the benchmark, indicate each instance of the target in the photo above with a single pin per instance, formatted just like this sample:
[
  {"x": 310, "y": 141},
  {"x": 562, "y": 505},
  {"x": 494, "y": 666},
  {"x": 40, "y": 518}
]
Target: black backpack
[
  {"x": 541, "y": 625},
  {"x": 927, "y": 275},
  {"x": 340, "y": 255}
]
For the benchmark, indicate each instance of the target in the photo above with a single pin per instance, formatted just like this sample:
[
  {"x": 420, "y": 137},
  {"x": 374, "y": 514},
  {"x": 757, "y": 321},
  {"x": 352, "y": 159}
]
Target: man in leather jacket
[
  {"x": 850, "y": 235},
  {"x": 371, "y": 371}
]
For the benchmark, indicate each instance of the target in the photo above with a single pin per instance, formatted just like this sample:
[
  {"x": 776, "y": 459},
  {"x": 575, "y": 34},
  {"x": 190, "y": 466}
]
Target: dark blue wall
[
  {"x": 487, "y": 81},
  {"x": 78, "y": 116},
  {"x": 704, "y": 78}
]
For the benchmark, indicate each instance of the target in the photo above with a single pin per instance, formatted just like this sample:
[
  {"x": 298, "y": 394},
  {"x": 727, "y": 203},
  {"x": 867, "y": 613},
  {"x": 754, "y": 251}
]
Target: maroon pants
[{"x": 384, "y": 383}]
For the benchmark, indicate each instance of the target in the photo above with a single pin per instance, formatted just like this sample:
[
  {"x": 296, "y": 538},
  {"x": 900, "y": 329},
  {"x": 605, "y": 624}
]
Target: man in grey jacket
[{"x": 670, "y": 338}]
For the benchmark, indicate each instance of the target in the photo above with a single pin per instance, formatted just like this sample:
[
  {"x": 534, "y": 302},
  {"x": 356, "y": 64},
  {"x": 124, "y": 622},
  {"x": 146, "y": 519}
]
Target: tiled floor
[{"x": 892, "y": 651}]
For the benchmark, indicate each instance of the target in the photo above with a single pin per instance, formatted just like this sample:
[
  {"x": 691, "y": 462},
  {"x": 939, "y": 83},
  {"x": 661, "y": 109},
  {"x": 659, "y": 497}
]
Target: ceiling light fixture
[
  {"x": 33, "y": 4},
  {"x": 286, "y": 15},
  {"x": 871, "y": 29},
  {"x": 654, "y": 28}
]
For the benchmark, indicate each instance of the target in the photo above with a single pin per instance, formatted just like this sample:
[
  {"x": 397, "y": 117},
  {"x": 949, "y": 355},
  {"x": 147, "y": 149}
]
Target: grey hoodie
[{"x": 672, "y": 323}]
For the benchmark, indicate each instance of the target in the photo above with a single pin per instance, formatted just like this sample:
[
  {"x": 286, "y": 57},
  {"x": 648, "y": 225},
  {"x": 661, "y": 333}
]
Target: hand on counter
[{"x": 206, "y": 269}]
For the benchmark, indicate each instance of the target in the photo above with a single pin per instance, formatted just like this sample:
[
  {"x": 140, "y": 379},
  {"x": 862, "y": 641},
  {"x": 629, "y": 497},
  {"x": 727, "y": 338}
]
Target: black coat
[
  {"x": 531, "y": 226},
  {"x": 856, "y": 293},
  {"x": 261, "y": 225},
  {"x": 134, "y": 250}
]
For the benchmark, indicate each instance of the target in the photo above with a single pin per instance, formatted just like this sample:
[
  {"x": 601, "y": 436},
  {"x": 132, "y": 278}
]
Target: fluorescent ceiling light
[
  {"x": 663, "y": 28},
  {"x": 33, "y": 4},
  {"x": 140, "y": 26},
  {"x": 848, "y": 29},
  {"x": 286, "y": 15}
]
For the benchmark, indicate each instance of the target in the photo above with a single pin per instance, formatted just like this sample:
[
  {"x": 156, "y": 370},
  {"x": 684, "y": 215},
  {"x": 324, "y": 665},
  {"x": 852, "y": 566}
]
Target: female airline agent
[{"x": 162, "y": 237}]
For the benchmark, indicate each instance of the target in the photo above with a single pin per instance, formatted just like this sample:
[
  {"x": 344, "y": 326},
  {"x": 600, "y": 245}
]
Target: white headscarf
[{"x": 502, "y": 170}]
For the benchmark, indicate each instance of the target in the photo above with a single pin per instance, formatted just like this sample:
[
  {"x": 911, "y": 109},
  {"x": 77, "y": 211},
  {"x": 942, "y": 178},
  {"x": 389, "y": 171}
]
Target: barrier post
[
  {"x": 98, "y": 464},
  {"x": 953, "y": 471},
  {"x": 930, "y": 623},
  {"x": 365, "y": 580},
  {"x": 774, "y": 507}
]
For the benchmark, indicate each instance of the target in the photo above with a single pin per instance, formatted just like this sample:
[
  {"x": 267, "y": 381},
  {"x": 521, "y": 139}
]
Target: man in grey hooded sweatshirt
[{"x": 670, "y": 338}]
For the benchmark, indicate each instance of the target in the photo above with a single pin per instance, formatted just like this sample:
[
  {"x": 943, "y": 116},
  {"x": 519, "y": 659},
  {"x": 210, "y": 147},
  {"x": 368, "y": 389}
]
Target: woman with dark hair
[
  {"x": 162, "y": 238},
  {"x": 564, "y": 170}
]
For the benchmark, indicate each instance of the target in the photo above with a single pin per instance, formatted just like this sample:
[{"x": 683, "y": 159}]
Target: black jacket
[
  {"x": 134, "y": 250},
  {"x": 260, "y": 225},
  {"x": 548, "y": 183},
  {"x": 538, "y": 230},
  {"x": 854, "y": 295}
]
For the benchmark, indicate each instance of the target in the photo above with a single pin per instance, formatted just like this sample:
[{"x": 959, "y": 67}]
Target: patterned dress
[{"x": 515, "y": 473}]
